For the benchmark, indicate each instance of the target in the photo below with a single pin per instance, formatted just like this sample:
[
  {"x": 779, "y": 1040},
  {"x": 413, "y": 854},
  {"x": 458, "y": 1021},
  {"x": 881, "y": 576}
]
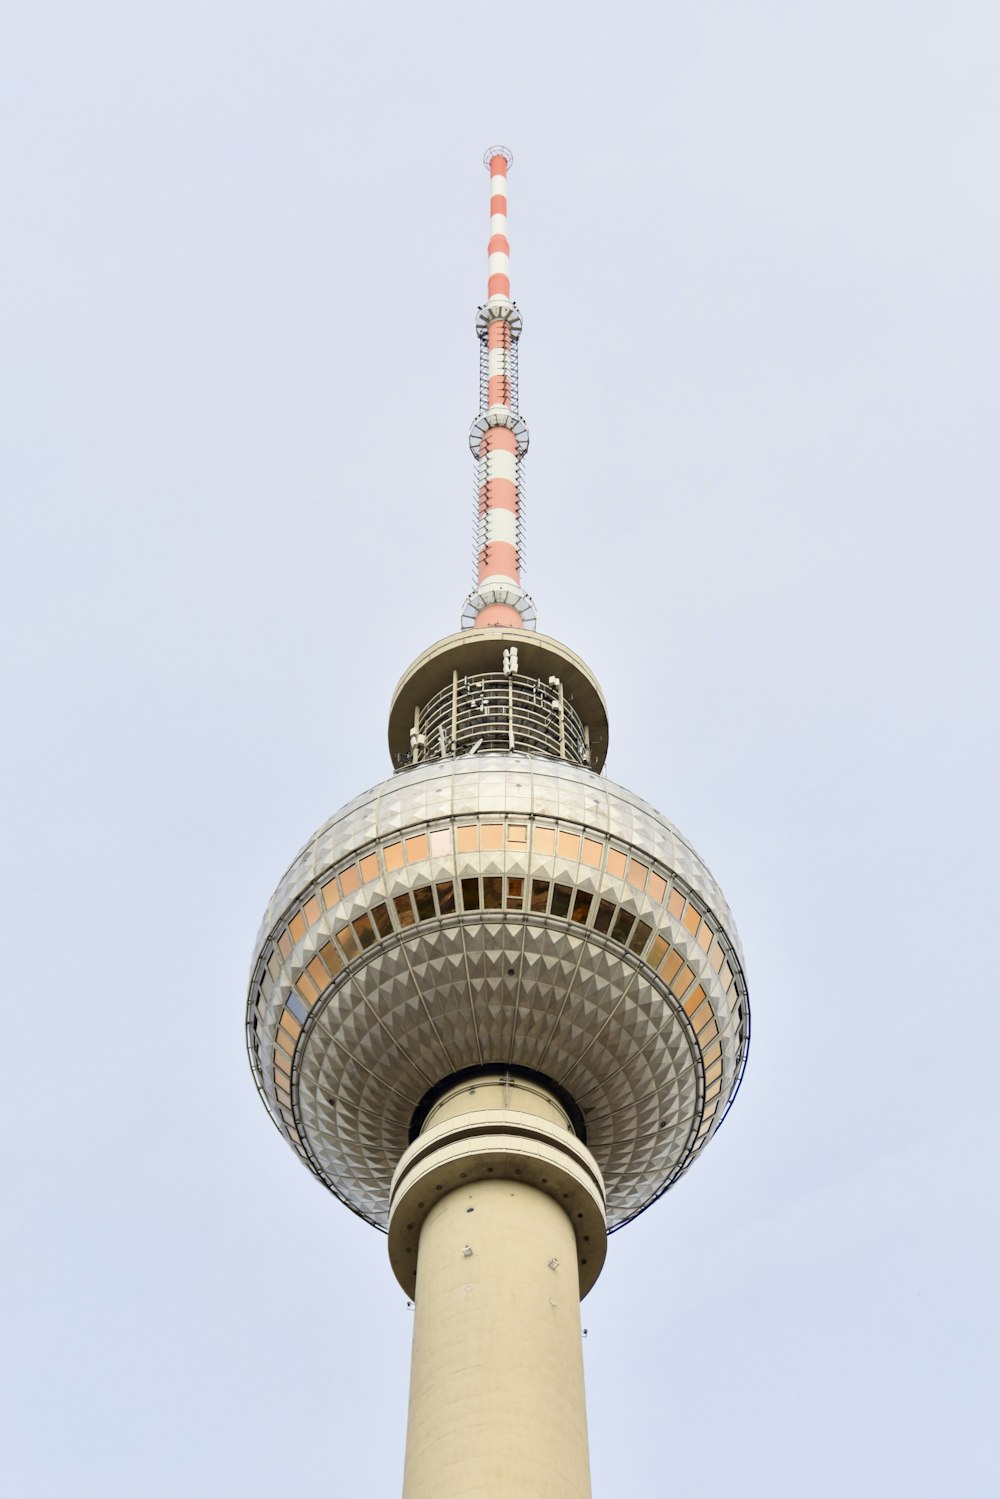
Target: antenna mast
[{"x": 498, "y": 437}]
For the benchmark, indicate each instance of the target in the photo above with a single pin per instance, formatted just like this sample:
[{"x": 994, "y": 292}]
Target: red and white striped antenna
[{"x": 498, "y": 437}]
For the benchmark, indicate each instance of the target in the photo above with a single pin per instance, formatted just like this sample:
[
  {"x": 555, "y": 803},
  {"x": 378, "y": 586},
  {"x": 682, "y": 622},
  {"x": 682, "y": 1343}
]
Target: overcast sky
[{"x": 755, "y": 248}]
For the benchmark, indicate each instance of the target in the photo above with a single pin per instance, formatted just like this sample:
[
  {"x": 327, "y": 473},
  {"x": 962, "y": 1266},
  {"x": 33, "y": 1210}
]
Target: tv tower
[{"x": 497, "y": 1005}]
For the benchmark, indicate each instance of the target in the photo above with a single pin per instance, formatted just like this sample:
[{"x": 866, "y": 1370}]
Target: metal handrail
[{"x": 496, "y": 711}]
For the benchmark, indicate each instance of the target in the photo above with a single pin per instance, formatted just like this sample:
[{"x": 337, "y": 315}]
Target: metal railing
[{"x": 497, "y": 711}]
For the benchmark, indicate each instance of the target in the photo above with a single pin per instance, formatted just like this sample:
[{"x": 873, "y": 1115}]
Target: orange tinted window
[
  {"x": 416, "y": 848},
  {"x": 369, "y": 868},
  {"x": 675, "y": 905},
  {"x": 692, "y": 919},
  {"x": 616, "y": 863},
  {"x": 349, "y": 879},
  {"x": 331, "y": 893},
  {"x": 682, "y": 980},
  {"x": 467, "y": 839},
  {"x": 545, "y": 840},
  {"x": 569, "y": 846},
  {"x": 491, "y": 835},
  {"x": 297, "y": 927},
  {"x": 701, "y": 1017},
  {"x": 311, "y": 910},
  {"x": 317, "y": 972},
  {"x": 331, "y": 957},
  {"x": 693, "y": 1000},
  {"x": 592, "y": 853},
  {"x": 637, "y": 874},
  {"x": 670, "y": 964},
  {"x": 393, "y": 855}
]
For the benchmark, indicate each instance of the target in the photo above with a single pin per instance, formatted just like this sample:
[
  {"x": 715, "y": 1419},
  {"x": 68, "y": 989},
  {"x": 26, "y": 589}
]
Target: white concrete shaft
[
  {"x": 497, "y": 1408},
  {"x": 496, "y": 1387}
]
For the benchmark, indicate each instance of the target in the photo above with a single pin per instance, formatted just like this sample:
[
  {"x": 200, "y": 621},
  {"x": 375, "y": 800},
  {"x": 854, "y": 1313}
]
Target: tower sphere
[{"x": 498, "y": 904}]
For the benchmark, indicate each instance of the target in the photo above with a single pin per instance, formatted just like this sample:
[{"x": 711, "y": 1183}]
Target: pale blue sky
[{"x": 755, "y": 247}]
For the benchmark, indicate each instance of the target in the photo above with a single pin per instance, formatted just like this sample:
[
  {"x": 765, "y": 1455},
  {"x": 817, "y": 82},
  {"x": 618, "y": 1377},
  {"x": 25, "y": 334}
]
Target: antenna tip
[{"x": 494, "y": 151}]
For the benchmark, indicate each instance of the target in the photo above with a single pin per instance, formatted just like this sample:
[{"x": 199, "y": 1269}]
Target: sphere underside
[{"x": 497, "y": 910}]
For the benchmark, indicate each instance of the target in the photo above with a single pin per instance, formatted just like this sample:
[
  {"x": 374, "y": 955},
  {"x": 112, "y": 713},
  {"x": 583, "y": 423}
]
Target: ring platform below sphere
[{"x": 497, "y": 910}]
